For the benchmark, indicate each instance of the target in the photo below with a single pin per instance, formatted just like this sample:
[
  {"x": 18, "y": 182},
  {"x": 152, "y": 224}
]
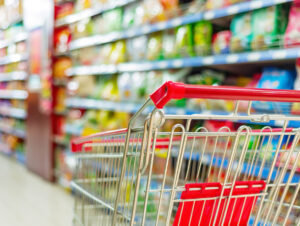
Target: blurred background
[{"x": 71, "y": 68}]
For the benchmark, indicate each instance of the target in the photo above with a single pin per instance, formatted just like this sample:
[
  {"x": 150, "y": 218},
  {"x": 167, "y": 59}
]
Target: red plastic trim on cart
[
  {"x": 77, "y": 143},
  {"x": 203, "y": 212},
  {"x": 161, "y": 143},
  {"x": 174, "y": 90}
]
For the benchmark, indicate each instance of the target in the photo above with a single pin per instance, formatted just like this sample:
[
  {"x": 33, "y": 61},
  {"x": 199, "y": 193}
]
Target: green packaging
[
  {"x": 268, "y": 26},
  {"x": 184, "y": 41},
  {"x": 203, "y": 31},
  {"x": 241, "y": 30}
]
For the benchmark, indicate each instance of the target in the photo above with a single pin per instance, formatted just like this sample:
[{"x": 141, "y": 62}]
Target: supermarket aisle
[{"x": 27, "y": 200}]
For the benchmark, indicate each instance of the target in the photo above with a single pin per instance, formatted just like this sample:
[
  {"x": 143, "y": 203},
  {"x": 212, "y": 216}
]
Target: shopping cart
[{"x": 186, "y": 174}]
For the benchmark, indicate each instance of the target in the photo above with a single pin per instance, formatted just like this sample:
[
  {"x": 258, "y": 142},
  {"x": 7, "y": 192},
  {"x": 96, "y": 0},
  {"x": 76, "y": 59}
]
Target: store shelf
[
  {"x": 13, "y": 58},
  {"x": 13, "y": 112},
  {"x": 131, "y": 107},
  {"x": 219, "y": 162},
  {"x": 13, "y": 76},
  {"x": 16, "y": 132},
  {"x": 173, "y": 23},
  {"x": 13, "y": 94},
  {"x": 92, "y": 70},
  {"x": 22, "y": 36},
  {"x": 90, "y": 12},
  {"x": 273, "y": 55}
]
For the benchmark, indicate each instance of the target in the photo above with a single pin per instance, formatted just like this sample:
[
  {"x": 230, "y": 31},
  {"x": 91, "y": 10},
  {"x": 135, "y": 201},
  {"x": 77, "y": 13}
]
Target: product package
[
  {"x": 168, "y": 45},
  {"x": 135, "y": 48},
  {"x": 202, "y": 37},
  {"x": 154, "y": 49},
  {"x": 184, "y": 41},
  {"x": 241, "y": 30},
  {"x": 221, "y": 42},
  {"x": 112, "y": 20},
  {"x": 268, "y": 25},
  {"x": 292, "y": 33},
  {"x": 275, "y": 78},
  {"x": 118, "y": 53}
]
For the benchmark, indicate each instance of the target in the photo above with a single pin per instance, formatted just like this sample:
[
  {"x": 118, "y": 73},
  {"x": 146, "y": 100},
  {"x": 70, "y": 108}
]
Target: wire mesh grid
[{"x": 145, "y": 183}]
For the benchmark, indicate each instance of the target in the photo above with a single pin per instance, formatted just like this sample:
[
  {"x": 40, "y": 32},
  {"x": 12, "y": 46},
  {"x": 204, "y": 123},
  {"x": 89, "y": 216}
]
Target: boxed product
[
  {"x": 241, "y": 30},
  {"x": 268, "y": 25},
  {"x": 275, "y": 78},
  {"x": 221, "y": 42}
]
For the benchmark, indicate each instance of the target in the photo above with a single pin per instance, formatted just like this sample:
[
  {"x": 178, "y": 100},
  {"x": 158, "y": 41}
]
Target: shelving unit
[
  {"x": 90, "y": 12},
  {"x": 173, "y": 23},
  {"x": 13, "y": 76},
  {"x": 87, "y": 111}
]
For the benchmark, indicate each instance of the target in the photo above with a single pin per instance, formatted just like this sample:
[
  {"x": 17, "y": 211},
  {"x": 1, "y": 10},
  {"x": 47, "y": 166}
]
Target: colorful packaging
[
  {"x": 292, "y": 33},
  {"x": 118, "y": 54},
  {"x": 112, "y": 20},
  {"x": 275, "y": 78},
  {"x": 221, "y": 42},
  {"x": 130, "y": 12},
  {"x": 153, "y": 11},
  {"x": 60, "y": 66},
  {"x": 168, "y": 45},
  {"x": 202, "y": 37},
  {"x": 135, "y": 48},
  {"x": 154, "y": 49},
  {"x": 241, "y": 30},
  {"x": 125, "y": 86},
  {"x": 184, "y": 41},
  {"x": 268, "y": 25},
  {"x": 82, "y": 29}
]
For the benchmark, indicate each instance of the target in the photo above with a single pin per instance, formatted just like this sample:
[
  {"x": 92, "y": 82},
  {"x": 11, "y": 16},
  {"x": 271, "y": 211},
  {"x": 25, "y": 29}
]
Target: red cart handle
[{"x": 174, "y": 90}]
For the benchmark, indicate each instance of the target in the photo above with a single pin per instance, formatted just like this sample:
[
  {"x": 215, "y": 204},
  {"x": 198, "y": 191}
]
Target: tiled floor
[{"x": 27, "y": 200}]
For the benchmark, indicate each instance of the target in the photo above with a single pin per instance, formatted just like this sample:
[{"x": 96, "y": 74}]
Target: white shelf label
[
  {"x": 162, "y": 25},
  {"x": 256, "y": 4},
  {"x": 146, "y": 29},
  {"x": 176, "y": 22},
  {"x": 177, "y": 63},
  {"x": 232, "y": 59},
  {"x": 209, "y": 15},
  {"x": 233, "y": 10},
  {"x": 162, "y": 65},
  {"x": 279, "y": 54},
  {"x": 208, "y": 60},
  {"x": 253, "y": 56}
]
